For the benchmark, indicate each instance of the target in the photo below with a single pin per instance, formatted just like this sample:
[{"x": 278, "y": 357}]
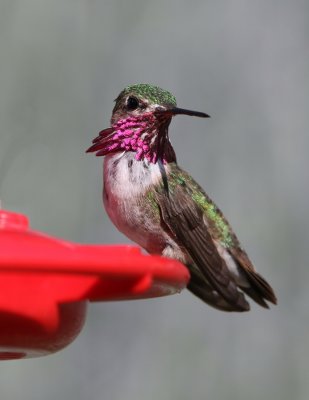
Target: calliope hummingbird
[{"x": 158, "y": 205}]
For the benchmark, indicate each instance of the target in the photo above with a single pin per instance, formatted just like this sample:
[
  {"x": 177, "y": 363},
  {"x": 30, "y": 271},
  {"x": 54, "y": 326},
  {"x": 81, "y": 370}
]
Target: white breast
[
  {"x": 126, "y": 181},
  {"x": 125, "y": 177}
]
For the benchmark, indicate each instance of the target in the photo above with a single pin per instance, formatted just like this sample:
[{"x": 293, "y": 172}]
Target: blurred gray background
[{"x": 246, "y": 64}]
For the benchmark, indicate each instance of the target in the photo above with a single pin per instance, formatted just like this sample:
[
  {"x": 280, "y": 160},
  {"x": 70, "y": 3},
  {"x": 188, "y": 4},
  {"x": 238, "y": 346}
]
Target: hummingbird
[{"x": 158, "y": 205}]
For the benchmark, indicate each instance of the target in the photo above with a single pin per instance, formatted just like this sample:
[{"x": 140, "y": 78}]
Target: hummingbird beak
[{"x": 177, "y": 111}]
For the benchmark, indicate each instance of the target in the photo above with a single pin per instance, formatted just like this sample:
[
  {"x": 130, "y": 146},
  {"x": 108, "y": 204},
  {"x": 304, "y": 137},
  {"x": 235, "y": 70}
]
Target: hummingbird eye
[{"x": 132, "y": 103}]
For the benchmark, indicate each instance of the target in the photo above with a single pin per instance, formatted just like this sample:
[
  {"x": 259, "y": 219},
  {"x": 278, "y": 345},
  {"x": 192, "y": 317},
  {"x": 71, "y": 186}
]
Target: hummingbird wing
[
  {"x": 182, "y": 206},
  {"x": 199, "y": 286},
  {"x": 185, "y": 219}
]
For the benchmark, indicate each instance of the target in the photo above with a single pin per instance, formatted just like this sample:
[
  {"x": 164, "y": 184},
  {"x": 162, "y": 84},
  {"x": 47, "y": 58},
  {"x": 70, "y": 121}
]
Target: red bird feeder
[{"x": 45, "y": 284}]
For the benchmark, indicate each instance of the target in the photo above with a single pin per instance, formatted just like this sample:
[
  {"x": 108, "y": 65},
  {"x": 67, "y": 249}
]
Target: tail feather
[
  {"x": 251, "y": 292},
  {"x": 259, "y": 289}
]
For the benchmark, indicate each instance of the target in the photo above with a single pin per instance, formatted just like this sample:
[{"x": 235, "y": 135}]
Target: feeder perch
[{"x": 46, "y": 283}]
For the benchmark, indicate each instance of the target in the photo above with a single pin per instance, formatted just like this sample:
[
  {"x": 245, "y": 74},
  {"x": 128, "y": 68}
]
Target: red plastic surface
[{"x": 45, "y": 284}]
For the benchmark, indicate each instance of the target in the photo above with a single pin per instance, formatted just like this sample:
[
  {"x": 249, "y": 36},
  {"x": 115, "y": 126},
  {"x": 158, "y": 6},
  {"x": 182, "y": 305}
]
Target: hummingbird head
[{"x": 139, "y": 123}]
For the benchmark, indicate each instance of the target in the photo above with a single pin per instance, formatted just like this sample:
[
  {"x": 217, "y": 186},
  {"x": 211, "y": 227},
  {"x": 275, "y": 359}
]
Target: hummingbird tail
[{"x": 258, "y": 289}]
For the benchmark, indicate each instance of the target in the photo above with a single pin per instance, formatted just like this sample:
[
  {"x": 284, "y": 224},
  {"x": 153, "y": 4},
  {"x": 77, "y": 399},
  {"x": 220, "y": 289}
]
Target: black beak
[
  {"x": 183, "y": 111},
  {"x": 176, "y": 111}
]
